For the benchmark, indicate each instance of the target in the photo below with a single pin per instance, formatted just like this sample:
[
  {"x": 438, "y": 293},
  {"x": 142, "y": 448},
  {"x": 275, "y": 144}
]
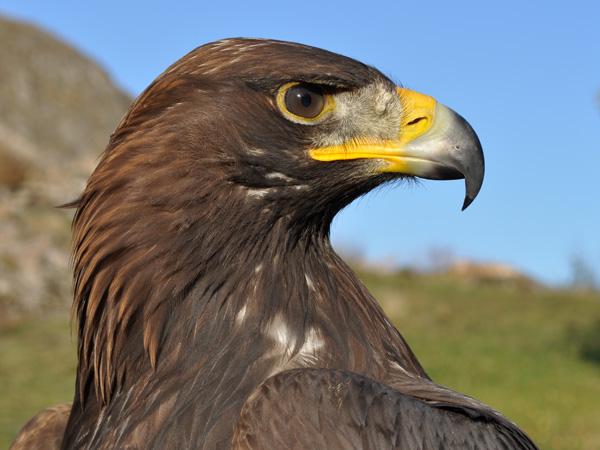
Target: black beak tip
[
  {"x": 474, "y": 167},
  {"x": 467, "y": 202}
]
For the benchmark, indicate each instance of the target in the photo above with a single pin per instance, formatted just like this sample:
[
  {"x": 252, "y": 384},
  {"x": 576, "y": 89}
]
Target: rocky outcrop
[{"x": 57, "y": 111}]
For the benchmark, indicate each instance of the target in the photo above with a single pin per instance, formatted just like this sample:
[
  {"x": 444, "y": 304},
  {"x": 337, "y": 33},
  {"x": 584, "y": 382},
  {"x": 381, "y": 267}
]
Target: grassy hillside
[{"x": 516, "y": 348}]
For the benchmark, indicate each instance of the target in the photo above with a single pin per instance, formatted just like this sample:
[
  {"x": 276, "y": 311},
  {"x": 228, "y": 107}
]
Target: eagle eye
[{"x": 303, "y": 100}]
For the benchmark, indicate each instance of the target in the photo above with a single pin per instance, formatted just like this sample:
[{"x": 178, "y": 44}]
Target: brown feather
[{"x": 45, "y": 430}]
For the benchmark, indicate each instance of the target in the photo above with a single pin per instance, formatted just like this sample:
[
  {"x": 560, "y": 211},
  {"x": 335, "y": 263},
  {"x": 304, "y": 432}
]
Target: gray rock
[{"x": 57, "y": 111}]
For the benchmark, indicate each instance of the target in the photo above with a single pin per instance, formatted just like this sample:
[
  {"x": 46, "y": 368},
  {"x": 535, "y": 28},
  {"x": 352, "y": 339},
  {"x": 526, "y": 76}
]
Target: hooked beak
[{"x": 434, "y": 143}]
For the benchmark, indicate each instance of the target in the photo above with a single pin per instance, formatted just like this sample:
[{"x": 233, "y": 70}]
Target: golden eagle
[{"x": 212, "y": 311}]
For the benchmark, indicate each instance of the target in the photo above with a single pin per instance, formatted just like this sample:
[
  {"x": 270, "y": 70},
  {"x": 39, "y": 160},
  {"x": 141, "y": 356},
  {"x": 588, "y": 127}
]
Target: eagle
[{"x": 212, "y": 311}]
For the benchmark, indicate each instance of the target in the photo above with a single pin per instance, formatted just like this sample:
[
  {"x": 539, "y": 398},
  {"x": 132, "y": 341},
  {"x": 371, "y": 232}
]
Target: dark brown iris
[{"x": 305, "y": 100}]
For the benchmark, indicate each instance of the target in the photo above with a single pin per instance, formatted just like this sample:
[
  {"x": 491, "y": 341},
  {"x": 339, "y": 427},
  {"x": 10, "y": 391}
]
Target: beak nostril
[{"x": 416, "y": 121}]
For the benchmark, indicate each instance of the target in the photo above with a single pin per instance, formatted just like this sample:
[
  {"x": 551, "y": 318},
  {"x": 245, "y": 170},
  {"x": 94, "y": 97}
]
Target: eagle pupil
[{"x": 305, "y": 100}]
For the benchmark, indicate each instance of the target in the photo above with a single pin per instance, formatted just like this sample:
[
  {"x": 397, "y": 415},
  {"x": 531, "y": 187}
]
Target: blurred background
[{"x": 499, "y": 301}]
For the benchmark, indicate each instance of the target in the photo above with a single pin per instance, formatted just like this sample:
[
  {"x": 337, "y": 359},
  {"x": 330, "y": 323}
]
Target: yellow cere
[{"x": 418, "y": 112}]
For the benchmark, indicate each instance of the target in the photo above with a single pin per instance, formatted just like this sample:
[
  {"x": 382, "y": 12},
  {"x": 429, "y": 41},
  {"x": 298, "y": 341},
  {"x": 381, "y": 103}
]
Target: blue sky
[{"x": 526, "y": 75}]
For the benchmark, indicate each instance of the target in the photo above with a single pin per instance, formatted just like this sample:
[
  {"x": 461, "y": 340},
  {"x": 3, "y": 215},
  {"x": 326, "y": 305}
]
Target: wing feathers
[
  {"x": 44, "y": 430},
  {"x": 336, "y": 409}
]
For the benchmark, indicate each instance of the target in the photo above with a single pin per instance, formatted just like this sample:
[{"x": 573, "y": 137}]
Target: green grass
[
  {"x": 37, "y": 369},
  {"x": 514, "y": 348}
]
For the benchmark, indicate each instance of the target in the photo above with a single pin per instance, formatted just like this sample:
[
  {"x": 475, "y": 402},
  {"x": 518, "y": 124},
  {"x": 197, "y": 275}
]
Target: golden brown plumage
[
  {"x": 206, "y": 291},
  {"x": 45, "y": 430}
]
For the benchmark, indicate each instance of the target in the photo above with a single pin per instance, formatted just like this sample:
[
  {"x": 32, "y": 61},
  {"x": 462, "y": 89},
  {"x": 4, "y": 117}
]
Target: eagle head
[{"x": 296, "y": 131}]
